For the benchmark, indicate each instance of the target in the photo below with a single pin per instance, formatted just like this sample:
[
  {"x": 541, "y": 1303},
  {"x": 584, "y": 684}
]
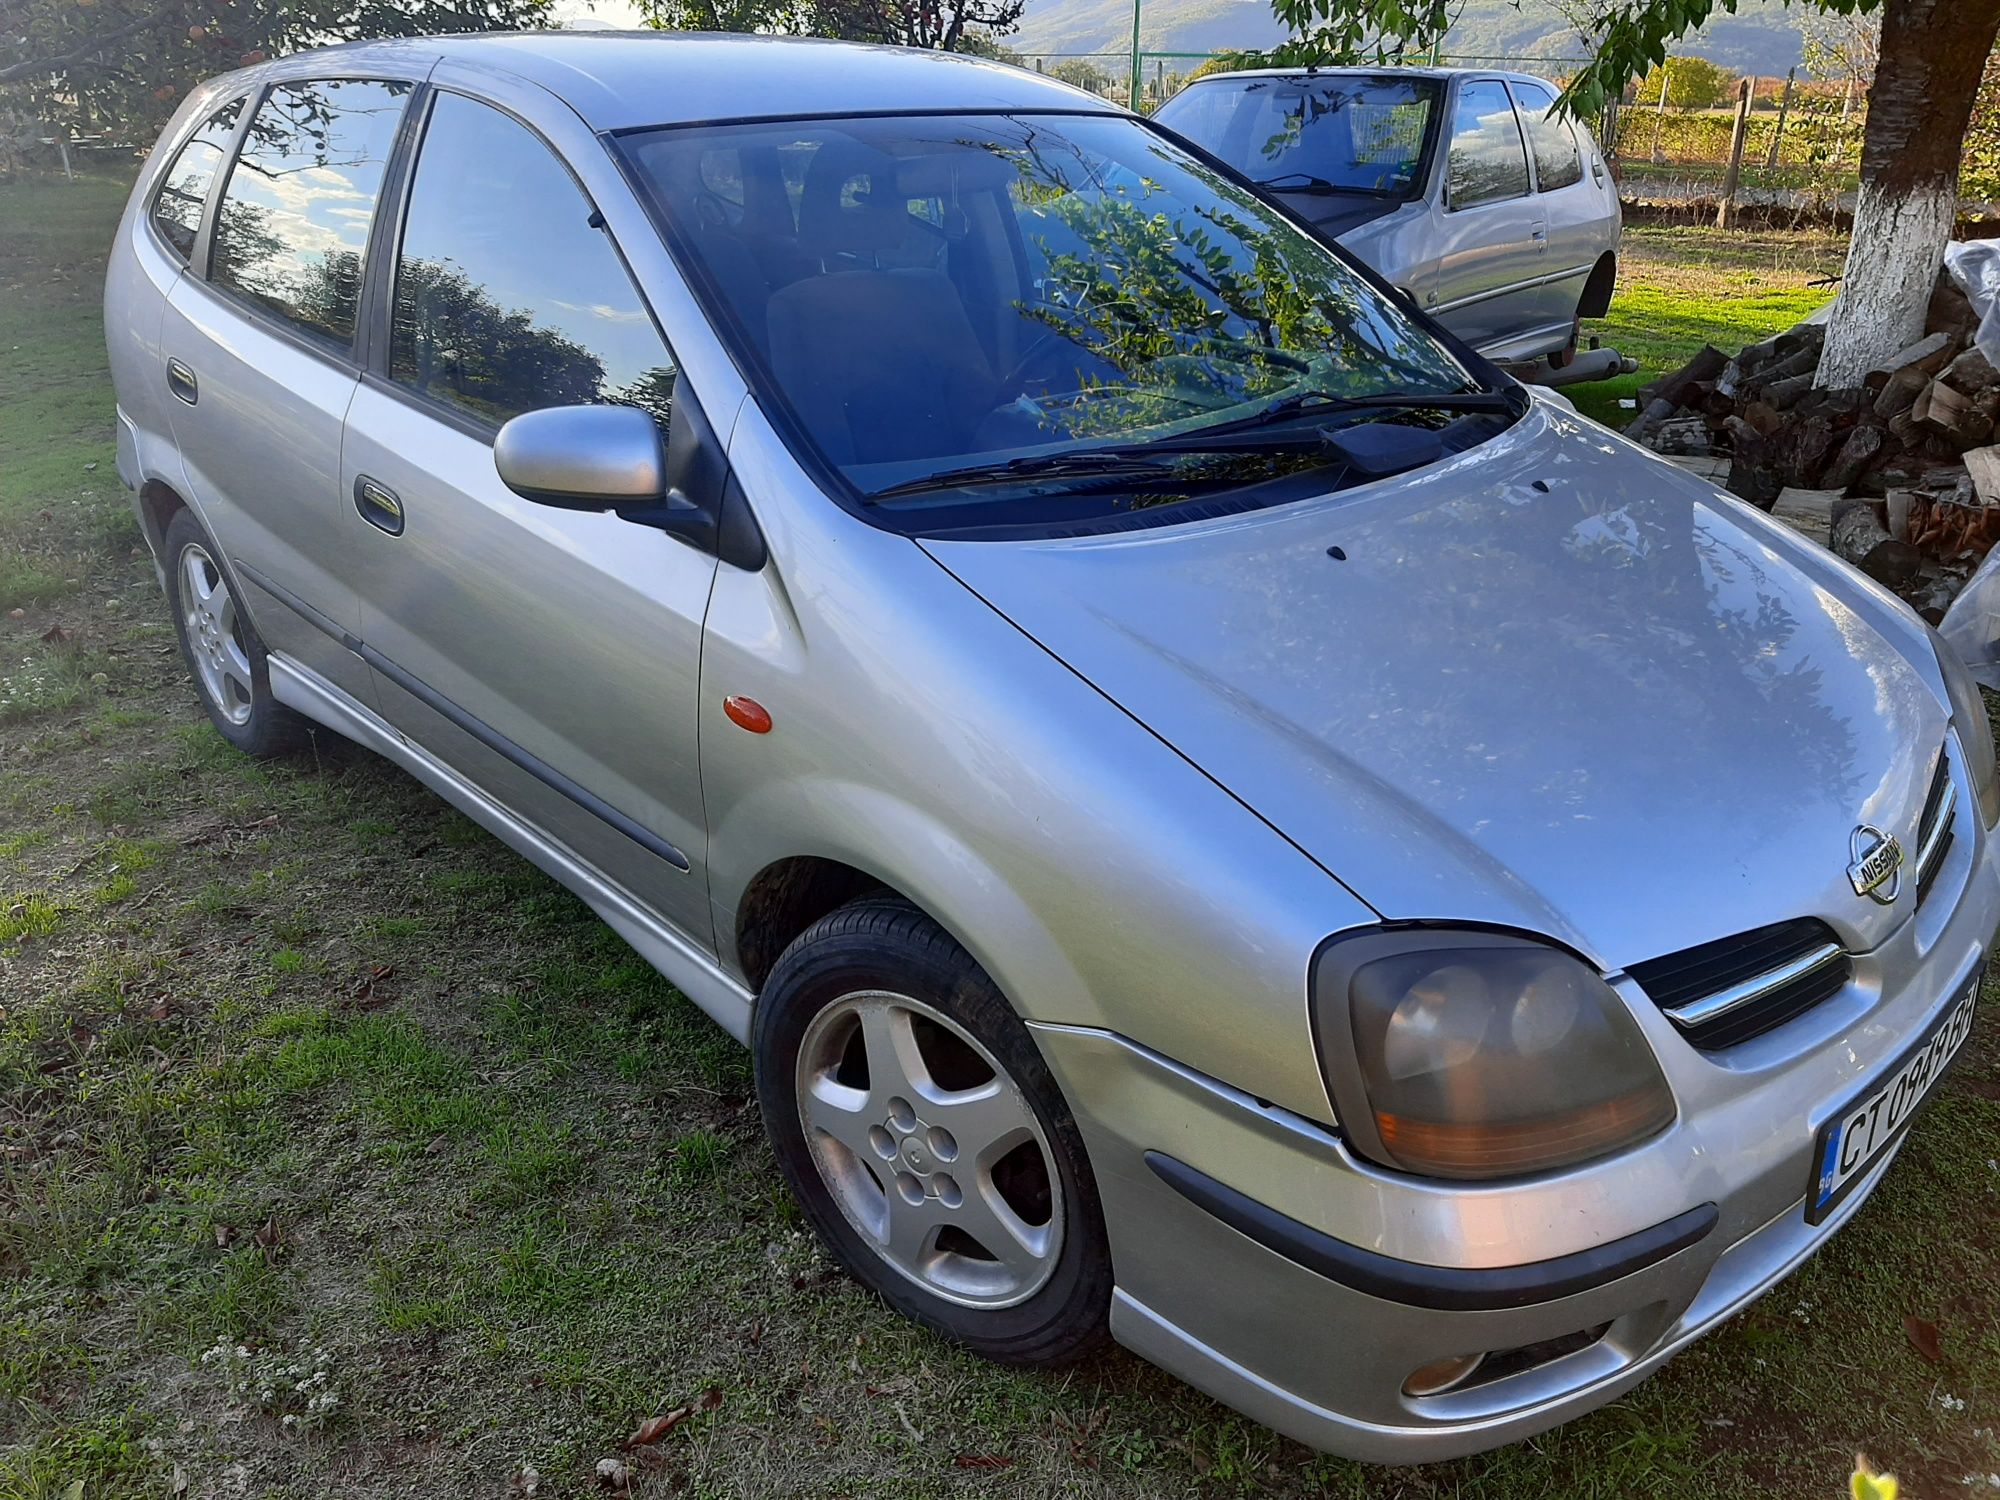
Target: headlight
[
  {"x": 1975, "y": 733},
  {"x": 1472, "y": 1054}
]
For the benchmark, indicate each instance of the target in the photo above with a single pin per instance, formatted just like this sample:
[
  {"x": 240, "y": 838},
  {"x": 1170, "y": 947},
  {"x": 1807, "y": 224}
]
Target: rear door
[
  {"x": 549, "y": 656},
  {"x": 259, "y": 354},
  {"x": 1571, "y": 202},
  {"x": 1492, "y": 239}
]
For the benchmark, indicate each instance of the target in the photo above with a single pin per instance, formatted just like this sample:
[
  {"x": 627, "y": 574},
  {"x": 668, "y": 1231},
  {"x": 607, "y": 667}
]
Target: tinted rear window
[
  {"x": 1551, "y": 140},
  {"x": 1357, "y": 134},
  {"x": 294, "y": 220},
  {"x": 184, "y": 190}
]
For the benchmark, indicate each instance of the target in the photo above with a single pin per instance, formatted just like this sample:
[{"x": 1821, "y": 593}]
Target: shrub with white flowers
[{"x": 299, "y": 1390}]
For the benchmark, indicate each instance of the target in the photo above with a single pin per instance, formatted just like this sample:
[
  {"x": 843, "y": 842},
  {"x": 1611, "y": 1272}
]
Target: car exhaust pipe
[{"x": 1584, "y": 365}]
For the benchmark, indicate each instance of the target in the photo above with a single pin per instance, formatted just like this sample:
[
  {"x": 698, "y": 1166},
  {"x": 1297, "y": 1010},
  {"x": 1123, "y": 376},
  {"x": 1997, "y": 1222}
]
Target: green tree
[
  {"x": 1933, "y": 53},
  {"x": 121, "y": 66},
  {"x": 1691, "y": 83},
  {"x": 1080, "y": 72}
]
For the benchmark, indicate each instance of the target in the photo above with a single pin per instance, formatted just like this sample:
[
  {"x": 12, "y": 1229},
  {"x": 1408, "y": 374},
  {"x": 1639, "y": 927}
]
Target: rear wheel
[
  {"x": 923, "y": 1135},
  {"x": 224, "y": 656}
]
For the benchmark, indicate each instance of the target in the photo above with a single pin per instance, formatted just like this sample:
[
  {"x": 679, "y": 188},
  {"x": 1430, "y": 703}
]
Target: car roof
[{"x": 620, "y": 79}]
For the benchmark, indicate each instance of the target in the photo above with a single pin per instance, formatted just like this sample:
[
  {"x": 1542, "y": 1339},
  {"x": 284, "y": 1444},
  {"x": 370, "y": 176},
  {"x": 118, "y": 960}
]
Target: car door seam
[{"x": 472, "y": 724}]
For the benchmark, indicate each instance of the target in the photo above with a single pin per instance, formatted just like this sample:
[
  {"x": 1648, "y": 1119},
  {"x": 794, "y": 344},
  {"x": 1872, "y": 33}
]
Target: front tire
[
  {"x": 923, "y": 1135},
  {"x": 221, "y": 648}
]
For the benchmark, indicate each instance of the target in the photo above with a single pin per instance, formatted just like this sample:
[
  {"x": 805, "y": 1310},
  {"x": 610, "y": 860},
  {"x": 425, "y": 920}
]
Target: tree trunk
[{"x": 1933, "y": 55}]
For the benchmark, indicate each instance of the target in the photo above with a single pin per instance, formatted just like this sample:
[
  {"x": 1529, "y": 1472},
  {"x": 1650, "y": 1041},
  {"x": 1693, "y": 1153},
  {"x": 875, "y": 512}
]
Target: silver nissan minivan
[{"x": 1226, "y": 822}]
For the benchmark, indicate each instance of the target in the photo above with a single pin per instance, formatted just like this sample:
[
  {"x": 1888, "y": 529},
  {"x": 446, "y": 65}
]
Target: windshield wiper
[
  {"x": 1123, "y": 462},
  {"x": 1139, "y": 460},
  {"x": 1297, "y": 182},
  {"x": 1321, "y": 403}
]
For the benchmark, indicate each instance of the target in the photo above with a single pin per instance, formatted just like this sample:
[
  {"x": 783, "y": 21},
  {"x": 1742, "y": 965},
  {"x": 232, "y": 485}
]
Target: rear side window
[
  {"x": 1488, "y": 162},
  {"x": 184, "y": 190},
  {"x": 293, "y": 225},
  {"x": 507, "y": 299},
  {"x": 1558, "y": 163}
]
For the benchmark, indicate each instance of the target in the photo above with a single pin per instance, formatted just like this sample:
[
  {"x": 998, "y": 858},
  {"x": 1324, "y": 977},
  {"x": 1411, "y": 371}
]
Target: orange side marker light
[{"x": 747, "y": 713}]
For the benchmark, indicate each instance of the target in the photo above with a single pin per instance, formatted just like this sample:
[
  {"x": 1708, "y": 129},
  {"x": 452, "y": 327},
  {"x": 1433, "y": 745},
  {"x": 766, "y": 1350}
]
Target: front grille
[
  {"x": 1934, "y": 827},
  {"x": 1730, "y": 990}
]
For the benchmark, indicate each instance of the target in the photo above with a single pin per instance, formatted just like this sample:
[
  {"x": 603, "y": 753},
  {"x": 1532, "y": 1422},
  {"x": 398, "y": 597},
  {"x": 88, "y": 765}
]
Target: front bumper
[{"x": 1308, "y": 1352}]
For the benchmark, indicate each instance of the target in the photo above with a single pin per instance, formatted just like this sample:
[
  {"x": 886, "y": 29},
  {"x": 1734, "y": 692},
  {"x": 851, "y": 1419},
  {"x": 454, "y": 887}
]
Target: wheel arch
[{"x": 1597, "y": 289}]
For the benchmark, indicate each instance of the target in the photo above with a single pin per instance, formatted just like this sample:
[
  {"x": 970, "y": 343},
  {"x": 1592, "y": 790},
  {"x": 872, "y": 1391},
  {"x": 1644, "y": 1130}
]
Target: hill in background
[{"x": 1761, "y": 38}]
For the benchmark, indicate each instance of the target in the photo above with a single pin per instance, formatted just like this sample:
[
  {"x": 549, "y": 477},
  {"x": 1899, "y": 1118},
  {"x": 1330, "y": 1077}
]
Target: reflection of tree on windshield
[{"x": 1196, "y": 307}]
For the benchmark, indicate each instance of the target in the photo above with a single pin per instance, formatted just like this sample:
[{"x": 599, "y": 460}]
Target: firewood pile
[{"x": 1900, "y": 475}]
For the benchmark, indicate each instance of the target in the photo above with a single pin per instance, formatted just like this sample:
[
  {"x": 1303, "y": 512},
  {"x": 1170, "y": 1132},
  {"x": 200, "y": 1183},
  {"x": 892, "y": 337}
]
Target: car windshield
[
  {"x": 978, "y": 300},
  {"x": 1350, "y": 133}
]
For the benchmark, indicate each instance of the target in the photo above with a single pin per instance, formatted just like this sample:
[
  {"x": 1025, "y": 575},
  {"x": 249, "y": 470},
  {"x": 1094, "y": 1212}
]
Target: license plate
[{"x": 1856, "y": 1138}]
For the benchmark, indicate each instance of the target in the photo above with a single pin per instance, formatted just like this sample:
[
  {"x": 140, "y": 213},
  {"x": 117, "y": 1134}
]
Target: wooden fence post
[
  {"x": 1784, "y": 108},
  {"x": 1725, "y": 213},
  {"x": 1660, "y": 112}
]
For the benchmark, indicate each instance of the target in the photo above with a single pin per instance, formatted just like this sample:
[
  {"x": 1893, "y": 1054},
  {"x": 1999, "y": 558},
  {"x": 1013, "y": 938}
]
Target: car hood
[{"x": 1552, "y": 683}]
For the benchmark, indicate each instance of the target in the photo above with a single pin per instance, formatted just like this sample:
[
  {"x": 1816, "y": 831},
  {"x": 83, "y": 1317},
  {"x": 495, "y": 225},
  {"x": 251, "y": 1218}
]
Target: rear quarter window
[{"x": 183, "y": 191}]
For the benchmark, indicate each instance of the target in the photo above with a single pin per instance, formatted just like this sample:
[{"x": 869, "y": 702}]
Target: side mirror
[
  {"x": 583, "y": 457},
  {"x": 600, "y": 458}
]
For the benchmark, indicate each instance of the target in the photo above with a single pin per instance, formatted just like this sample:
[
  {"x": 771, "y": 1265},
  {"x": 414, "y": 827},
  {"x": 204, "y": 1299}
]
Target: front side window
[
  {"x": 919, "y": 295},
  {"x": 1558, "y": 163},
  {"x": 1345, "y": 133},
  {"x": 1488, "y": 162},
  {"x": 184, "y": 189},
  {"x": 293, "y": 225},
  {"x": 507, "y": 299}
]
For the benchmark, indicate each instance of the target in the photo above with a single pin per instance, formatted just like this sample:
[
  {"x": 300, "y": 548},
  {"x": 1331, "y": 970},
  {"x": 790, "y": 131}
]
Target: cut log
[
  {"x": 1950, "y": 414},
  {"x": 1858, "y": 535},
  {"x": 1683, "y": 435},
  {"x": 1899, "y": 390},
  {"x": 1970, "y": 373},
  {"x": 1929, "y": 354},
  {"x": 1694, "y": 378},
  {"x": 1809, "y": 511},
  {"x": 1858, "y": 450},
  {"x": 1983, "y": 464}
]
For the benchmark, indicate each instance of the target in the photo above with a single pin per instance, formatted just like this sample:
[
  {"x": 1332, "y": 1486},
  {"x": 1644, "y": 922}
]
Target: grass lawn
[
  {"x": 342, "y": 1153},
  {"x": 1682, "y": 286}
]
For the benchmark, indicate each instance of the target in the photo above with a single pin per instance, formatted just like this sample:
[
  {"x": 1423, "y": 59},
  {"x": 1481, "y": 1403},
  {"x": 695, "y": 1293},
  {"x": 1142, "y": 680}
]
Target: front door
[
  {"x": 1490, "y": 233},
  {"x": 550, "y": 656},
  {"x": 259, "y": 355}
]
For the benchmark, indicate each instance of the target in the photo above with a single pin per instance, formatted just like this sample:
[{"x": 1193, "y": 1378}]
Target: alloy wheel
[
  {"x": 215, "y": 635},
  {"x": 930, "y": 1149}
]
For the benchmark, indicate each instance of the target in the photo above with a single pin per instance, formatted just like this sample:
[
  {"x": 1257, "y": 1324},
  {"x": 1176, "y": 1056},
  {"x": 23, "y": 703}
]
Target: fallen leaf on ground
[
  {"x": 658, "y": 1427},
  {"x": 1923, "y": 1335},
  {"x": 55, "y": 635},
  {"x": 982, "y": 1461},
  {"x": 225, "y": 1235}
]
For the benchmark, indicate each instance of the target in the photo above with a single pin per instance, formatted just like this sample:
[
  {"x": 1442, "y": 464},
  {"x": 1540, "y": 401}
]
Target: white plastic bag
[
  {"x": 1972, "y": 625},
  {"x": 1975, "y": 266}
]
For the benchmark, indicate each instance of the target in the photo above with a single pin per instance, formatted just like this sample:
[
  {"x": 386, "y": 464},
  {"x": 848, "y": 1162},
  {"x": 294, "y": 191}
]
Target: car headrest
[{"x": 850, "y": 202}]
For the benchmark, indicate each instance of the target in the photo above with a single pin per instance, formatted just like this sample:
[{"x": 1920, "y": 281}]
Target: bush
[{"x": 1692, "y": 83}]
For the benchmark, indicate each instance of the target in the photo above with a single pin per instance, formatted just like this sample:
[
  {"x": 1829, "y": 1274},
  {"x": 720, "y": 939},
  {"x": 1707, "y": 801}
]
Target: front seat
[{"x": 880, "y": 364}]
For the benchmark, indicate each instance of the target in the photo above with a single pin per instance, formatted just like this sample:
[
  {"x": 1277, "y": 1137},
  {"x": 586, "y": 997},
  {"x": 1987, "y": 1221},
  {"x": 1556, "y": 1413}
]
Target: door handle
[
  {"x": 181, "y": 381},
  {"x": 378, "y": 505}
]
